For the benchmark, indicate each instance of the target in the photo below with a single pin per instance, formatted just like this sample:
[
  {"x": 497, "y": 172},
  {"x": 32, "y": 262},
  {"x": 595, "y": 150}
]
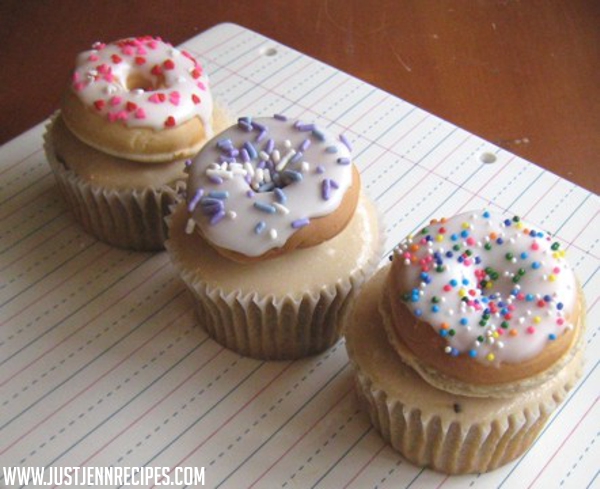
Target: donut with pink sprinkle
[{"x": 139, "y": 98}]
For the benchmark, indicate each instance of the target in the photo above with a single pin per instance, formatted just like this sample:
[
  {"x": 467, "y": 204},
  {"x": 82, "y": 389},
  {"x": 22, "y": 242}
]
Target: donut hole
[
  {"x": 503, "y": 287},
  {"x": 278, "y": 180},
  {"x": 137, "y": 81}
]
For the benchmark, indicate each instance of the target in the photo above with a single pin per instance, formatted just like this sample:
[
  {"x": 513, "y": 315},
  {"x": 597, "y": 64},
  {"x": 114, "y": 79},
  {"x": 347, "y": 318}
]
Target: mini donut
[
  {"x": 267, "y": 186},
  {"x": 140, "y": 99},
  {"x": 481, "y": 300}
]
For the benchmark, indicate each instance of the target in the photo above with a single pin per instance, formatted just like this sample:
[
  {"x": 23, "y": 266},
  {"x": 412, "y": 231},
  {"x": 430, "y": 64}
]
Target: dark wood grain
[{"x": 522, "y": 74}]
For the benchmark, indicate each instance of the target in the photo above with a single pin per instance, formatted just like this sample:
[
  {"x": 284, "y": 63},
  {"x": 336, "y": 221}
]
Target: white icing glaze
[
  {"x": 494, "y": 288},
  {"x": 171, "y": 87},
  {"x": 253, "y": 185}
]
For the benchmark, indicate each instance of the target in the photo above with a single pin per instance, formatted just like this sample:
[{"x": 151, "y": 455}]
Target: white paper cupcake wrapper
[
  {"x": 458, "y": 447},
  {"x": 126, "y": 218},
  {"x": 273, "y": 327}
]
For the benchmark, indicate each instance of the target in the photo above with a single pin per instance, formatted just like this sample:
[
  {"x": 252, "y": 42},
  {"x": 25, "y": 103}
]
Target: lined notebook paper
[{"x": 101, "y": 360}]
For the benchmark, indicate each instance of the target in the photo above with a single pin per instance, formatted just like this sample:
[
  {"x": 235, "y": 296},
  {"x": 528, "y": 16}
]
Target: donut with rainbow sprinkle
[{"x": 482, "y": 299}]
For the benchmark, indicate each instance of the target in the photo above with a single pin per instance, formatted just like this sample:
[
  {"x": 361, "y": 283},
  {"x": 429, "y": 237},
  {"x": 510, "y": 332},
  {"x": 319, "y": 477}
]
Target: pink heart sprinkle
[
  {"x": 154, "y": 98},
  {"x": 174, "y": 98},
  {"x": 78, "y": 86},
  {"x": 93, "y": 57},
  {"x": 115, "y": 100},
  {"x": 140, "y": 113},
  {"x": 141, "y": 50},
  {"x": 201, "y": 86},
  {"x": 127, "y": 50}
]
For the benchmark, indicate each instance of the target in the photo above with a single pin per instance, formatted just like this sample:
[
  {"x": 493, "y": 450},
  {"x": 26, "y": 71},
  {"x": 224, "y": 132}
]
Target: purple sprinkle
[
  {"x": 249, "y": 194},
  {"x": 226, "y": 159},
  {"x": 297, "y": 157},
  {"x": 331, "y": 149},
  {"x": 211, "y": 207},
  {"x": 260, "y": 227},
  {"x": 280, "y": 117},
  {"x": 326, "y": 189},
  {"x": 215, "y": 179},
  {"x": 244, "y": 126},
  {"x": 320, "y": 169},
  {"x": 251, "y": 149},
  {"x": 245, "y": 155},
  {"x": 263, "y": 207},
  {"x": 305, "y": 144},
  {"x": 218, "y": 194},
  {"x": 261, "y": 136},
  {"x": 300, "y": 223},
  {"x": 345, "y": 141},
  {"x": 294, "y": 176},
  {"x": 261, "y": 164},
  {"x": 318, "y": 134},
  {"x": 280, "y": 196},
  {"x": 224, "y": 143},
  {"x": 333, "y": 183},
  {"x": 270, "y": 146},
  {"x": 259, "y": 127},
  {"x": 343, "y": 161},
  {"x": 217, "y": 217},
  {"x": 188, "y": 162},
  {"x": 304, "y": 127},
  {"x": 195, "y": 199}
]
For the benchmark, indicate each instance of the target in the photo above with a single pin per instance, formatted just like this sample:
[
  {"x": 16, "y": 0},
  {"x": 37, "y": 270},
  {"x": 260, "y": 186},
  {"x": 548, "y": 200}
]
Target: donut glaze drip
[
  {"x": 142, "y": 82},
  {"x": 495, "y": 289},
  {"x": 255, "y": 184}
]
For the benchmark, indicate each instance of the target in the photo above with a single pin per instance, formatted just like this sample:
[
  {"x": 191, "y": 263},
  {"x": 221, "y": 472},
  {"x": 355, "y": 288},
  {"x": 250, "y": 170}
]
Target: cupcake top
[
  {"x": 495, "y": 289},
  {"x": 256, "y": 186}
]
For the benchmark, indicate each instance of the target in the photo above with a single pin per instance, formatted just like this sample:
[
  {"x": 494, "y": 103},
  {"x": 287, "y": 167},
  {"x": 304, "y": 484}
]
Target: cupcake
[
  {"x": 135, "y": 111},
  {"x": 467, "y": 342},
  {"x": 275, "y": 237}
]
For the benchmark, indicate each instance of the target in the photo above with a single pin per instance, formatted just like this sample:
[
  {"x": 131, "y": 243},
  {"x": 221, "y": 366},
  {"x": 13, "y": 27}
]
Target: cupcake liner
[
  {"x": 458, "y": 447},
  {"x": 450, "y": 433},
  {"x": 126, "y": 218},
  {"x": 263, "y": 325}
]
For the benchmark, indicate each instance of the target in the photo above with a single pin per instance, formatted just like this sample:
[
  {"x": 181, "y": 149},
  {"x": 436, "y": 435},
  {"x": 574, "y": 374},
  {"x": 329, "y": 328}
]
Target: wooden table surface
[{"x": 524, "y": 75}]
